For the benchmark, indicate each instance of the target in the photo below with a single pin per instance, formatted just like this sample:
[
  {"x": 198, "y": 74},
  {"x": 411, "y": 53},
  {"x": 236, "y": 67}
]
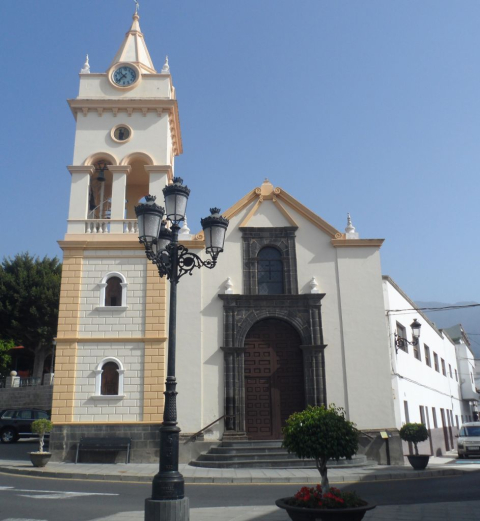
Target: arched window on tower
[
  {"x": 113, "y": 292},
  {"x": 110, "y": 379},
  {"x": 269, "y": 272}
]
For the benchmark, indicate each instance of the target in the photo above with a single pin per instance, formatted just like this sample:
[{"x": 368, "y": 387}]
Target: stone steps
[{"x": 263, "y": 454}]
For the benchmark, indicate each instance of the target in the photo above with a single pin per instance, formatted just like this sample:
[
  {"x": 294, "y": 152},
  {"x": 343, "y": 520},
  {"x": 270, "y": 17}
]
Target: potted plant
[
  {"x": 415, "y": 433},
  {"x": 41, "y": 427},
  {"x": 322, "y": 433}
]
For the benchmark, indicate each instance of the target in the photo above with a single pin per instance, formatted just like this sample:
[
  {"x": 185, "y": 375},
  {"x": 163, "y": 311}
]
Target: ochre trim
[
  {"x": 307, "y": 213},
  {"x": 117, "y": 339},
  {"x": 240, "y": 205},
  {"x": 283, "y": 210},
  {"x": 95, "y": 242},
  {"x": 252, "y": 212},
  {"x": 107, "y": 423},
  {"x": 349, "y": 243}
]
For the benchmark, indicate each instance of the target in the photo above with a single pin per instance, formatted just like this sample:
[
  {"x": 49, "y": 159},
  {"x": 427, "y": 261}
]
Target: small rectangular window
[
  {"x": 416, "y": 351},
  {"x": 402, "y": 334},
  {"x": 456, "y": 377},
  {"x": 422, "y": 415},
  {"x": 450, "y": 370},
  {"x": 407, "y": 416},
  {"x": 456, "y": 421},
  {"x": 435, "y": 362},
  {"x": 444, "y": 371},
  {"x": 426, "y": 350},
  {"x": 434, "y": 416}
]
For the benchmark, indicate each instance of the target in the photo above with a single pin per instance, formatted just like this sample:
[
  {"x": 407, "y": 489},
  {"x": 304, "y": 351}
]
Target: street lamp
[
  {"x": 401, "y": 342},
  {"x": 160, "y": 239}
]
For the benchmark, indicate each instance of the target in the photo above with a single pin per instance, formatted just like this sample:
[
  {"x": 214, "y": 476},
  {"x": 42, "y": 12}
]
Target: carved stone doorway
[{"x": 274, "y": 378}]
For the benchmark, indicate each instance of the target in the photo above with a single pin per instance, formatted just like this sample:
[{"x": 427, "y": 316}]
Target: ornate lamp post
[{"x": 173, "y": 260}]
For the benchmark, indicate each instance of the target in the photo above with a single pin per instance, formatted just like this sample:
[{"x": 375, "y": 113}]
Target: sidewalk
[{"x": 144, "y": 472}]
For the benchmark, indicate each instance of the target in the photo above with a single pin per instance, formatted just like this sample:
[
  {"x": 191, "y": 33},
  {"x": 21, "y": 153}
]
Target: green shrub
[
  {"x": 41, "y": 427},
  {"x": 414, "y": 432},
  {"x": 321, "y": 434}
]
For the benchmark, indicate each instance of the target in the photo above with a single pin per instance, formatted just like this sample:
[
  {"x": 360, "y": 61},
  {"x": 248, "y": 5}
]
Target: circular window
[{"x": 121, "y": 133}]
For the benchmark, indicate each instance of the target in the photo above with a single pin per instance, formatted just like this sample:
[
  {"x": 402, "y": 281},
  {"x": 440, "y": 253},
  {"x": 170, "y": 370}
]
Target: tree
[
  {"x": 29, "y": 297},
  {"x": 5, "y": 358},
  {"x": 321, "y": 434},
  {"x": 414, "y": 432},
  {"x": 41, "y": 427}
]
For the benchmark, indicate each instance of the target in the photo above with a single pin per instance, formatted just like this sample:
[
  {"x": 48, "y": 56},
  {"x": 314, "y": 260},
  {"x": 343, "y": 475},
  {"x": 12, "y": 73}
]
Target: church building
[{"x": 293, "y": 314}]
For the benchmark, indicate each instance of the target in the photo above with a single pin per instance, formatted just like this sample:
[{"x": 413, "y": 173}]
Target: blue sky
[{"x": 368, "y": 107}]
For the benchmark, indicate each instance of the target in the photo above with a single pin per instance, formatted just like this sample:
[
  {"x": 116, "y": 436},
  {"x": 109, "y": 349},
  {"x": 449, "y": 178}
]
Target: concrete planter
[
  {"x": 39, "y": 459},
  {"x": 324, "y": 514},
  {"x": 418, "y": 462}
]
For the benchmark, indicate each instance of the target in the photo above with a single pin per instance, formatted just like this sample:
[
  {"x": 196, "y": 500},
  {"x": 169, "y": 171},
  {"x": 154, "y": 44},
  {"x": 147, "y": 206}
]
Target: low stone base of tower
[
  {"x": 171, "y": 510},
  {"x": 145, "y": 443}
]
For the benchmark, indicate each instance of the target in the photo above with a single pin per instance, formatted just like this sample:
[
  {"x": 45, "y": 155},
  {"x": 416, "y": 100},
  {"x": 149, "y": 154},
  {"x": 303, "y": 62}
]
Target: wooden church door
[{"x": 274, "y": 379}]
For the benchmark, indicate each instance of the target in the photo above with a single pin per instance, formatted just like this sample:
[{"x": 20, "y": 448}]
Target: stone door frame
[{"x": 240, "y": 313}]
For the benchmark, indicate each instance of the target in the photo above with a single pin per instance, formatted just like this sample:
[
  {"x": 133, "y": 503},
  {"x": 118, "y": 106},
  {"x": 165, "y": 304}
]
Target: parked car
[
  {"x": 17, "y": 423},
  {"x": 469, "y": 439}
]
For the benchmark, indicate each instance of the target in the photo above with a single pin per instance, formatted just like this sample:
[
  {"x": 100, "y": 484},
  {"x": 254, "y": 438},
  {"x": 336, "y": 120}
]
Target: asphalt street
[{"x": 44, "y": 499}]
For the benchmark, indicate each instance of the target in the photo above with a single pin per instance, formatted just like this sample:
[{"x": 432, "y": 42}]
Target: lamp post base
[{"x": 167, "y": 510}]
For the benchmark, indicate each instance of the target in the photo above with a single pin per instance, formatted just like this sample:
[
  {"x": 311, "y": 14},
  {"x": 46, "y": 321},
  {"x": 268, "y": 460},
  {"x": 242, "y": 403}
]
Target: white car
[{"x": 469, "y": 439}]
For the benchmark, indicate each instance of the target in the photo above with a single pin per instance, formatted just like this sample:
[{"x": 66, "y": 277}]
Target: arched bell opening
[
  {"x": 100, "y": 190},
  {"x": 137, "y": 185}
]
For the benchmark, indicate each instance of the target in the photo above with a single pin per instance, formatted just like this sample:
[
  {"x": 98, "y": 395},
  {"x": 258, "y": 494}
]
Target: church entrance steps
[{"x": 263, "y": 454}]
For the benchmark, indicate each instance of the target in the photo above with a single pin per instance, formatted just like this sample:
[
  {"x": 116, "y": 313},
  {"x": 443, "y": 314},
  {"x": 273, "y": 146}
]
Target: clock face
[{"x": 124, "y": 76}]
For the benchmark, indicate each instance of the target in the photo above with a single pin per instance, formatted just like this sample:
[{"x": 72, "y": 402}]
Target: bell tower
[
  {"x": 127, "y": 136},
  {"x": 110, "y": 353}
]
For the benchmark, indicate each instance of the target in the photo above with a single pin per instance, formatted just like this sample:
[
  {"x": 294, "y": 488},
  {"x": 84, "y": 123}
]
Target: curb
[{"x": 432, "y": 473}]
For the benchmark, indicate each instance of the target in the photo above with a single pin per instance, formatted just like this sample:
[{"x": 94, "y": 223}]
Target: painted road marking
[{"x": 51, "y": 494}]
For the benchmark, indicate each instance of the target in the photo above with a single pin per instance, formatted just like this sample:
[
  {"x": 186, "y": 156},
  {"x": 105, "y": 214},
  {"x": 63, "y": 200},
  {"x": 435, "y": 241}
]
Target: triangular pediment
[{"x": 269, "y": 206}]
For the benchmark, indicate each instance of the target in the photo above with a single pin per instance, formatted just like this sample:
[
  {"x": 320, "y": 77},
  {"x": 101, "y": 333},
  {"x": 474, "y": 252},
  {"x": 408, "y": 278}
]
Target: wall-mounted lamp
[{"x": 402, "y": 342}]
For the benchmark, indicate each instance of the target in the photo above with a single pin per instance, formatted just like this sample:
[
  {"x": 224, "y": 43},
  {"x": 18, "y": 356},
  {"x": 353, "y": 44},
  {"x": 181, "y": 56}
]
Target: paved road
[
  {"x": 18, "y": 451},
  {"x": 25, "y": 498}
]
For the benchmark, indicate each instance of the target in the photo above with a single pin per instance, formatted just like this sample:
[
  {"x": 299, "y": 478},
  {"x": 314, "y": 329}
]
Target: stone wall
[
  {"x": 144, "y": 449},
  {"x": 39, "y": 396}
]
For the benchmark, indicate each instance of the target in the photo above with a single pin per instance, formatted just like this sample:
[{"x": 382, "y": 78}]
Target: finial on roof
[
  {"x": 137, "y": 6},
  {"x": 314, "y": 286},
  {"x": 86, "y": 67},
  {"x": 185, "y": 230},
  {"x": 228, "y": 286},
  {"x": 166, "y": 67},
  {"x": 350, "y": 229}
]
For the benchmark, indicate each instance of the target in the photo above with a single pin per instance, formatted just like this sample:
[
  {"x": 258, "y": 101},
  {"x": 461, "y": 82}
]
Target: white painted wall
[
  {"x": 97, "y": 322},
  {"x": 353, "y": 325},
  {"x": 89, "y": 408},
  {"x": 413, "y": 380},
  {"x": 97, "y": 86}
]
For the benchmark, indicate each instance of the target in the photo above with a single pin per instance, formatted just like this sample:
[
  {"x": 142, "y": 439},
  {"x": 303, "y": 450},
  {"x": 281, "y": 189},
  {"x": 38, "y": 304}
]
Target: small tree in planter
[
  {"x": 415, "y": 433},
  {"x": 321, "y": 434},
  {"x": 41, "y": 427}
]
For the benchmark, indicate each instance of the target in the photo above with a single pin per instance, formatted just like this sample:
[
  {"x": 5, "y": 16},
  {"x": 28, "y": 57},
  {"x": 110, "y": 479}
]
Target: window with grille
[
  {"x": 110, "y": 377},
  {"x": 113, "y": 292},
  {"x": 269, "y": 272}
]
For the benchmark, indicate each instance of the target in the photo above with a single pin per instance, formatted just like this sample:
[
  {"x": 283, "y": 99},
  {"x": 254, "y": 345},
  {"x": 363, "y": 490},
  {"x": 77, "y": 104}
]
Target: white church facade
[{"x": 293, "y": 314}]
